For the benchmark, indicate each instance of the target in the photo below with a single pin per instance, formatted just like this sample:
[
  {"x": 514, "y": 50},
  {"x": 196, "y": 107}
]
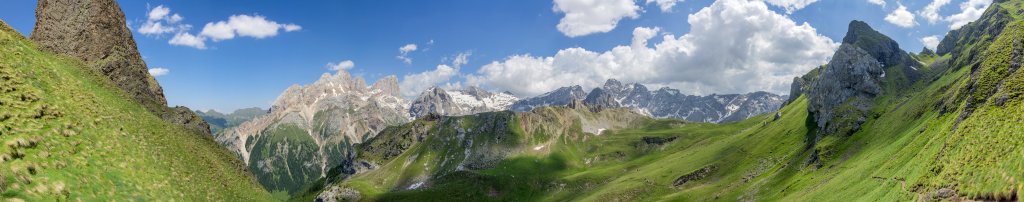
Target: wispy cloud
[
  {"x": 403, "y": 52},
  {"x": 343, "y": 65}
]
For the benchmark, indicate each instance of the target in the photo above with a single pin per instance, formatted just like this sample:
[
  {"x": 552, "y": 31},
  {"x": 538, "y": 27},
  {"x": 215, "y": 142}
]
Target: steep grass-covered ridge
[{"x": 70, "y": 134}]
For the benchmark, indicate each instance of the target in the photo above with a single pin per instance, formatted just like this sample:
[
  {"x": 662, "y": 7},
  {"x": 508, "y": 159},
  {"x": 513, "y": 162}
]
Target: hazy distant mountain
[
  {"x": 662, "y": 103},
  {"x": 219, "y": 121}
]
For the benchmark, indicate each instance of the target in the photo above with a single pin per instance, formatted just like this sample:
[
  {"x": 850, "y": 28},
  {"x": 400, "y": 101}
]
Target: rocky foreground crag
[{"x": 95, "y": 32}]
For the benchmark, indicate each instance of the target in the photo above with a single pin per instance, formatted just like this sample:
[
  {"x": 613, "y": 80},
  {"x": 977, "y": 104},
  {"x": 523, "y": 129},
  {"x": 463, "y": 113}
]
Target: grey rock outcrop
[
  {"x": 879, "y": 46},
  {"x": 883, "y": 49},
  {"x": 598, "y": 97},
  {"x": 802, "y": 84},
  {"x": 471, "y": 100},
  {"x": 842, "y": 95},
  {"x": 796, "y": 89},
  {"x": 95, "y": 32}
]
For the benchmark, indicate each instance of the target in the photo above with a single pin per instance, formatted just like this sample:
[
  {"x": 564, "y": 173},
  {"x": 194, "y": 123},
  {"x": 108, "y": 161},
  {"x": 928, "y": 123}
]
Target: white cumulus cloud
[
  {"x": 901, "y": 17},
  {"x": 931, "y": 42},
  {"x": 584, "y": 17},
  {"x": 158, "y": 71},
  {"x": 664, "y": 5},
  {"x": 878, "y": 2},
  {"x": 343, "y": 65},
  {"x": 160, "y": 21},
  {"x": 969, "y": 11},
  {"x": 186, "y": 39},
  {"x": 734, "y": 46},
  {"x": 158, "y": 12},
  {"x": 931, "y": 12},
  {"x": 254, "y": 26},
  {"x": 413, "y": 84},
  {"x": 791, "y": 5}
]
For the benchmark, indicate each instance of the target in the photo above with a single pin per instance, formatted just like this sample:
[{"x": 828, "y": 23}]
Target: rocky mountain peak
[
  {"x": 476, "y": 91},
  {"x": 603, "y": 98},
  {"x": 466, "y": 101},
  {"x": 875, "y": 43},
  {"x": 388, "y": 85},
  {"x": 612, "y": 84}
]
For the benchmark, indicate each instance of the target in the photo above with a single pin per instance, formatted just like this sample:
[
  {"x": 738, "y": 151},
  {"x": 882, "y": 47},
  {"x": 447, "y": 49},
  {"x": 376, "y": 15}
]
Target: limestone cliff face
[{"x": 95, "y": 32}]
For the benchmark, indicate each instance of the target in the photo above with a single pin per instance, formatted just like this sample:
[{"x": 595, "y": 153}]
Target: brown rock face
[{"x": 95, "y": 32}]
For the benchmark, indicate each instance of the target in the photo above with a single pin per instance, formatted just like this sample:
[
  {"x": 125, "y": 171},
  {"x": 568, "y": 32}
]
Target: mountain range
[
  {"x": 874, "y": 123},
  {"x": 662, "y": 103},
  {"x": 312, "y": 128},
  {"x": 80, "y": 119}
]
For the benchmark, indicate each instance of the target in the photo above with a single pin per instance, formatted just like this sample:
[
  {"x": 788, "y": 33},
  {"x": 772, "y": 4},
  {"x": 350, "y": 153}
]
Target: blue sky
[{"x": 505, "y": 45}]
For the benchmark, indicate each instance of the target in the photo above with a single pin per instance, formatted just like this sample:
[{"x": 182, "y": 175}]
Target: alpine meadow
[{"x": 550, "y": 100}]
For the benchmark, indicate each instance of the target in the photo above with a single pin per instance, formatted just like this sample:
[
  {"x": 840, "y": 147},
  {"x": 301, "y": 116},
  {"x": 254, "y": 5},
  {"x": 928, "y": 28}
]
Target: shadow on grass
[{"x": 517, "y": 179}]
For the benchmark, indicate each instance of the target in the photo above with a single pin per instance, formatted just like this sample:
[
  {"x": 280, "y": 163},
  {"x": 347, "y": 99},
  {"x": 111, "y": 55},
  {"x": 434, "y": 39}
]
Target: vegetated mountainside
[
  {"x": 942, "y": 127},
  {"x": 309, "y": 128},
  {"x": 435, "y": 148},
  {"x": 662, "y": 103},
  {"x": 69, "y": 133},
  {"x": 95, "y": 32},
  {"x": 471, "y": 100},
  {"x": 219, "y": 121}
]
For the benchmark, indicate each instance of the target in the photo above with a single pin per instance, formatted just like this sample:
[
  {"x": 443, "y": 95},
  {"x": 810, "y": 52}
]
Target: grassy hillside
[
  {"x": 952, "y": 133},
  {"x": 70, "y": 134},
  {"x": 898, "y": 156}
]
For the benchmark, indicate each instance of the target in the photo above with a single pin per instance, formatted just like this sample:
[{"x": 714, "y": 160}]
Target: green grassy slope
[
  {"x": 954, "y": 133},
  {"x": 69, "y": 134}
]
